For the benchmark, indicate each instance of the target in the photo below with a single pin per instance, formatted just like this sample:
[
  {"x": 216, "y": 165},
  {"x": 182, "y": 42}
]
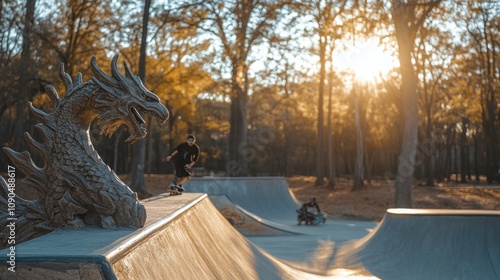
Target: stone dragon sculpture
[{"x": 75, "y": 187}]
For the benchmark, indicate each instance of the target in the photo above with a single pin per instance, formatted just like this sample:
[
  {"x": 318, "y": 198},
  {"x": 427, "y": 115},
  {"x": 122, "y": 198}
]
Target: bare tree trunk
[
  {"x": 429, "y": 160},
  {"x": 320, "y": 159},
  {"x": 490, "y": 127},
  {"x": 359, "y": 171},
  {"x": 450, "y": 139},
  {"x": 238, "y": 135},
  {"x": 368, "y": 164},
  {"x": 331, "y": 161},
  {"x": 476, "y": 157},
  {"x": 139, "y": 148},
  {"x": 406, "y": 160},
  {"x": 287, "y": 134},
  {"x": 288, "y": 154},
  {"x": 463, "y": 152},
  {"x": 24, "y": 76},
  {"x": 469, "y": 148}
]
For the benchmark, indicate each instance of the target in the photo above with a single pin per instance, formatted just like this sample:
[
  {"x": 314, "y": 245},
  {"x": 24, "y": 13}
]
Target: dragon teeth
[{"x": 138, "y": 115}]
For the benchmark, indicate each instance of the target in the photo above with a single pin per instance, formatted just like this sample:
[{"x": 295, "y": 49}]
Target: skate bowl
[{"x": 428, "y": 244}]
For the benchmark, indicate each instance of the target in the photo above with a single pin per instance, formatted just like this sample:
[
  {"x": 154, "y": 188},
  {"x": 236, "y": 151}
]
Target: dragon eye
[{"x": 148, "y": 98}]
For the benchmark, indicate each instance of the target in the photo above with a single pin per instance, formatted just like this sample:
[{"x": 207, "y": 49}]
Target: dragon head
[{"x": 124, "y": 100}]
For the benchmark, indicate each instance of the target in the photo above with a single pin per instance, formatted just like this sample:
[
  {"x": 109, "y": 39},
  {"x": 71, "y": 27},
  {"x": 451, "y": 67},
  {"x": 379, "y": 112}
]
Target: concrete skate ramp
[
  {"x": 267, "y": 197},
  {"x": 185, "y": 237},
  {"x": 201, "y": 244},
  {"x": 429, "y": 244},
  {"x": 245, "y": 222}
]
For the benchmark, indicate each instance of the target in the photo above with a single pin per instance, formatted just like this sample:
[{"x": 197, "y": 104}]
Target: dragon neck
[
  {"x": 70, "y": 123},
  {"x": 78, "y": 109}
]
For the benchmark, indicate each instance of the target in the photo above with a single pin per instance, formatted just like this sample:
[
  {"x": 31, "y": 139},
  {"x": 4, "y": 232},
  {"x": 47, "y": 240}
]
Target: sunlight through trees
[{"x": 400, "y": 90}]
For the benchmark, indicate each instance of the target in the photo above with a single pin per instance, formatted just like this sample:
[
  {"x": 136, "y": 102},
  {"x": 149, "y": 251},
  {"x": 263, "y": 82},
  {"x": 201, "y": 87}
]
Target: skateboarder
[
  {"x": 185, "y": 156},
  {"x": 309, "y": 217},
  {"x": 306, "y": 205}
]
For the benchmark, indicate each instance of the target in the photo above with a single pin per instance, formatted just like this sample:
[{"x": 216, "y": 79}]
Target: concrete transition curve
[
  {"x": 267, "y": 197},
  {"x": 428, "y": 244},
  {"x": 246, "y": 222}
]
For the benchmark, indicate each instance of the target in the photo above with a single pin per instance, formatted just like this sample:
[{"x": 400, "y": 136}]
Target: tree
[
  {"x": 434, "y": 53},
  {"x": 191, "y": 69},
  {"x": 71, "y": 34},
  {"x": 408, "y": 17},
  {"x": 359, "y": 171},
  {"x": 482, "y": 27},
  {"x": 11, "y": 44},
  {"x": 239, "y": 27},
  {"x": 330, "y": 161},
  {"x": 25, "y": 76},
  {"x": 325, "y": 14},
  {"x": 139, "y": 149}
]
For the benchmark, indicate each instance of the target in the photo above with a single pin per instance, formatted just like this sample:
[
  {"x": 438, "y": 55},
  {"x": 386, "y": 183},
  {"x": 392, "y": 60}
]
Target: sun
[{"x": 367, "y": 60}]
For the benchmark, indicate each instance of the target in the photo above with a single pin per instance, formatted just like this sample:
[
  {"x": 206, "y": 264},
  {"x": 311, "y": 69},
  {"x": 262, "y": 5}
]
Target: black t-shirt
[{"x": 186, "y": 154}]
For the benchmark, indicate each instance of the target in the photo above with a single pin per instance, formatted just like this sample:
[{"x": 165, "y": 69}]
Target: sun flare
[{"x": 367, "y": 61}]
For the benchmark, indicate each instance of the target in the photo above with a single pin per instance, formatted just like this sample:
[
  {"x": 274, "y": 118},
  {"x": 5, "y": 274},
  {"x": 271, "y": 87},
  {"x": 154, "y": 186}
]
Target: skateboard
[
  {"x": 319, "y": 218},
  {"x": 175, "y": 192},
  {"x": 310, "y": 219}
]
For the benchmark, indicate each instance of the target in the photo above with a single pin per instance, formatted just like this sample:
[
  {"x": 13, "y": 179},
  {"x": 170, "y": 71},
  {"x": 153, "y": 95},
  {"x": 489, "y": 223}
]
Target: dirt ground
[{"x": 371, "y": 202}]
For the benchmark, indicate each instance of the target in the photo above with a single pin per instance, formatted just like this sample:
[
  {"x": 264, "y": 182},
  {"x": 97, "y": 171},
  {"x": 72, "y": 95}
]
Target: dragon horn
[
  {"x": 114, "y": 71},
  {"x": 68, "y": 83},
  {"x": 79, "y": 79},
  {"x": 99, "y": 74},
  {"x": 52, "y": 93},
  {"x": 38, "y": 113},
  {"x": 128, "y": 73}
]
